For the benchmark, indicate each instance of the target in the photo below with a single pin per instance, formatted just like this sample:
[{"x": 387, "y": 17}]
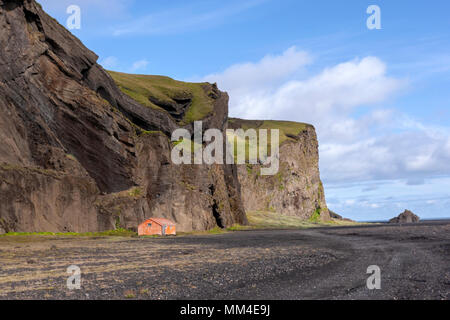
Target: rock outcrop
[
  {"x": 79, "y": 155},
  {"x": 338, "y": 217},
  {"x": 334, "y": 215},
  {"x": 405, "y": 217},
  {"x": 296, "y": 189}
]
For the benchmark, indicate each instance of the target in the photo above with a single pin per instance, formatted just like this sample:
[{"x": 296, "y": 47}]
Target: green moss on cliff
[
  {"x": 186, "y": 144},
  {"x": 135, "y": 192},
  {"x": 143, "y": 133},
  {"x": 288, "y": 131},
  {"x": 315, "y": 218},
  {"x": 321, "y": 192},
  {"x": 153, "y": 90}
]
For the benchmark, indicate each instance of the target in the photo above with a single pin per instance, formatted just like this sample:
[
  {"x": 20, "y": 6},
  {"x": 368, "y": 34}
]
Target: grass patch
[
  {"x": 157, "y": 91},
  {"x": 288, "y": 129},
  {"x": 129, "y": 294},
  {"x": 238, "y": 227},
  {"x": 71, "y": 157},
  {"x": 188, "y": 186},
  {"x": 110, "y": 233},
  {"x": 315, "y": 218},
  {"x": 149, "y": 133},
  {"x": 273, "y": 220},
  {"x": 144, "y": 291},
  {"x": 216, "y": 230},
  {"x": 259, "y": 220},
  {"x": 135, "y": 192}
]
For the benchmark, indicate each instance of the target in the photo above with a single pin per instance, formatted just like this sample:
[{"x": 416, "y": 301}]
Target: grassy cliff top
[
  {"x": 157, "y": 91},
  {"x": 288, "y": 129},
  {"x": 288, "y": 132}
]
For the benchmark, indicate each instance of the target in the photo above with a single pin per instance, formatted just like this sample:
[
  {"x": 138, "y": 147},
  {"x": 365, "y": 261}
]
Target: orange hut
[{"x": 157, "y": 226}]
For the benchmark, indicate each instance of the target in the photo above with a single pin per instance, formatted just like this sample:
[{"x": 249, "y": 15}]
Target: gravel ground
[{"x": 325, "y": 263}]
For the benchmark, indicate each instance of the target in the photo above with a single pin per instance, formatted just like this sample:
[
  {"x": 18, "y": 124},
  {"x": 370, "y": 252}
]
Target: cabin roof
[{"x": 161, "y": 221}]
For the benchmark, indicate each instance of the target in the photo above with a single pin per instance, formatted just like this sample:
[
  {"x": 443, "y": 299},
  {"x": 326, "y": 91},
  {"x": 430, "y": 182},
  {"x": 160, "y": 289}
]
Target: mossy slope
[
  {"x": 288, "y": 131},
  {"x": 158, "y": 92}
]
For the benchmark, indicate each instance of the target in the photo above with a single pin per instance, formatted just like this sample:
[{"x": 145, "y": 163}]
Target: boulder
[{"x": 405, "y": 217}]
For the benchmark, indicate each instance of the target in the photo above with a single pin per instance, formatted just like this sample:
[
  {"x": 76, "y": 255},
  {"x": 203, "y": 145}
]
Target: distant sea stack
[{"x": 405, "y": 217}]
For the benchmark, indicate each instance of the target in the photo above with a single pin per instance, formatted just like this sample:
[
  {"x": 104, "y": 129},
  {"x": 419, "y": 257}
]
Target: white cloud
[
  {"x": 110, "y": 62},
  {"x": 350, "y": 202},
  {"x": 140, "y": 65},
  {"x": 321, "y": 99},
  {"x": 246, "y": 78},
  {"x": 411, "y": 155},
  {"x": 356, "y": 144}
]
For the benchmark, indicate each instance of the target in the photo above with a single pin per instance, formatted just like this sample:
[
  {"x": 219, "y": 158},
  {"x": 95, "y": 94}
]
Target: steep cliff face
[
  {"x": 296, "y": 189},
  {"x": 78, "y": 154}
]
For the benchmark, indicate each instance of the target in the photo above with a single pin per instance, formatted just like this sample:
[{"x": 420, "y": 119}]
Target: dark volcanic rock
[
  {"x": 334, "y": 215},
  {"x": 73, "y": 156},
  {"x": 405, "y": 217}
]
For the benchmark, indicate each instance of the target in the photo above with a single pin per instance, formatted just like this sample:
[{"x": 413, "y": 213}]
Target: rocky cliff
[
  {"x": 296, "y": 189},
  {"x": 78, "y": 154},
  {"x": 84, "y": 149}
]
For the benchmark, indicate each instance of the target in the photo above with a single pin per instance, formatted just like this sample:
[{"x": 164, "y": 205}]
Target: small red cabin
[{"x": 157, "y": 226}]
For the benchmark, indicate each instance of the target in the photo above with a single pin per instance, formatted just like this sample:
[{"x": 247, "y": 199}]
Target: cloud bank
[{"x": 360, "y": 141}]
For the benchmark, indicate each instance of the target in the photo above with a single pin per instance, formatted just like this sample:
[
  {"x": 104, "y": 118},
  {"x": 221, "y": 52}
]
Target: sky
[{"x": 379, "y": 98}]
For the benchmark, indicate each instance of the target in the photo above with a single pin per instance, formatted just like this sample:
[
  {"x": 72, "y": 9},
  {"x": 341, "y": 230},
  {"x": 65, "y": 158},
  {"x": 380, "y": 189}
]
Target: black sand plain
[{"x": 321, "y": 263}]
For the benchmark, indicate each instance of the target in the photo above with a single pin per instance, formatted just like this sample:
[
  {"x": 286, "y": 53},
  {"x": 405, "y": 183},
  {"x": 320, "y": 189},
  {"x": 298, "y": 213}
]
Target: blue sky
[{"x": 380, "y": 99}]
